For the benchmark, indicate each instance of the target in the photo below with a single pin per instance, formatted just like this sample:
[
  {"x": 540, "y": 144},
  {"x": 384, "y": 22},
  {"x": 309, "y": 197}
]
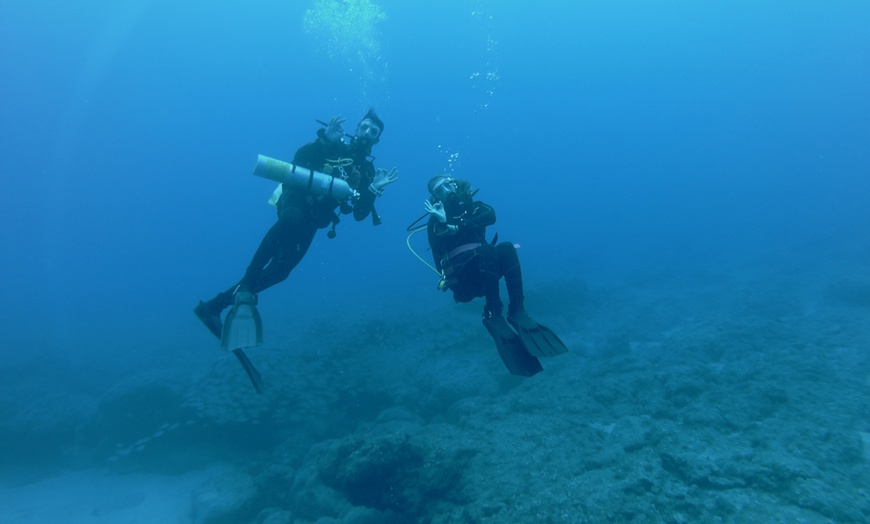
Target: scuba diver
[
  {"x": 301, "y": 212},
  {"x": 472, "y": 267}
]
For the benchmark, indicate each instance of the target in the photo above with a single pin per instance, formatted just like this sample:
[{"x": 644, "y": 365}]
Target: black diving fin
[
  {"x": 252, "y": 372},
  {"x": 511, "y": 348},
  {"x": 540, "y": 341}
]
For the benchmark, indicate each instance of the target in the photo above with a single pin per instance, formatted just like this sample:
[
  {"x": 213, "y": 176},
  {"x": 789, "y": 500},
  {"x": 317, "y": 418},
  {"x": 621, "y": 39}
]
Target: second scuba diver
[{"x": 472, "y": 267}]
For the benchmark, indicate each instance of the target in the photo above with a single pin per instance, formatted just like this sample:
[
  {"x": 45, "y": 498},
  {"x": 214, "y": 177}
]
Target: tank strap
[{"x": 462, "y": 249}]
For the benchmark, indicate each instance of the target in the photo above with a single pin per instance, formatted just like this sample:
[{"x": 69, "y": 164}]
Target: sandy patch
[{"x": 96, "y": 497}]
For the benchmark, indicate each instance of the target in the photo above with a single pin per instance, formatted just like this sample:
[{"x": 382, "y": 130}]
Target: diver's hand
[
  {"x": 383, "y": 178},
  {"x": 334, "y": 131},
  {"x": 436, "y": 210}
]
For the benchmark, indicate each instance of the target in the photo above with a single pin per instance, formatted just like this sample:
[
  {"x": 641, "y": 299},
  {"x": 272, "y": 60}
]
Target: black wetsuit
[
  {"x": 472, "y": 265},
  {"x": 301, "y": 213}
]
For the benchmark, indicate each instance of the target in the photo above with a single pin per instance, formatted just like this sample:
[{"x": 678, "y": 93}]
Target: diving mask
[
  {"x": 444, "y": 189},
  {"x": 368, "y": 130}
]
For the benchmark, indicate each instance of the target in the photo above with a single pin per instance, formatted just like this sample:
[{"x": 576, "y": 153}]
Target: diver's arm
[
  {"x": 445, "y": 229},
  {"x": 482, "y": 215},
  {"x": 363, "y": 206},
  {"x": 328, "y": 144},
  {"x": 438, "y": 224},
  {"x": 312, "y": 155},
  {"x": 372, "y": 186},
  {"x": 333, "y": 131}
]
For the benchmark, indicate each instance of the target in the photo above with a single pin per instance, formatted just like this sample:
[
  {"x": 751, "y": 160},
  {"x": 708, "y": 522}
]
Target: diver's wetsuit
[
  {"x": 301, "y": 214},
  {"x": 474, "y": 266}
]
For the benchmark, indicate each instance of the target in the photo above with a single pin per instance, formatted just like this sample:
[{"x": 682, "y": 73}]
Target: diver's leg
[
  {"x": 209, "y": 312},
  {"x": 489, "y": 276},
  {"x": 292, "y": 250},
  {"x": 509, "y": 267},
  {"x": 540, "y": 341},
  {"x": 266, "y": 252}
]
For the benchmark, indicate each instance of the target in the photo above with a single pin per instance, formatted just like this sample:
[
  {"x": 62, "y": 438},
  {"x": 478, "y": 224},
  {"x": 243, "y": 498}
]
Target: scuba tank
[{"x": 315, "y": 182}]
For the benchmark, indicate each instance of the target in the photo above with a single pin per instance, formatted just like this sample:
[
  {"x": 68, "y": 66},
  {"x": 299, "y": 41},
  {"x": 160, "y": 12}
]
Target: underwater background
[{"x": 689, "y": 183}]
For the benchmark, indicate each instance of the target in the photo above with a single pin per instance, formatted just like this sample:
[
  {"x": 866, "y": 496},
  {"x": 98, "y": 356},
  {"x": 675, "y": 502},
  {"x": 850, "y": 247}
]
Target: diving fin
[
  {"x": 211, "y": 319},
  {"x": 511, "y": 348},
  {"x": 252, "y": 372},
  {"x": 540, "y": 341},
  {"x": 242, "y": 327}
]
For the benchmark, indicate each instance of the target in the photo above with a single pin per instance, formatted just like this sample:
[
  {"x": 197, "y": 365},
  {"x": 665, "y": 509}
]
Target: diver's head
[
  {"x": 444, "y": 188},
  {"x": 369, "y": 129}
]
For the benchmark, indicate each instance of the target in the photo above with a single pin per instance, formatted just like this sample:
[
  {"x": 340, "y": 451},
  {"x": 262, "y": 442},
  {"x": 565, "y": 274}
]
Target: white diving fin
[{"x": 243, "y": 327}]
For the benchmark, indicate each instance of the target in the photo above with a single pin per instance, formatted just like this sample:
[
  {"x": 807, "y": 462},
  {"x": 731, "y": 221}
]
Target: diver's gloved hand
[
  {"x": 436, "y": 210},
  {"x": 334, "y": 131},
  {"x": 383, "y": 179}
]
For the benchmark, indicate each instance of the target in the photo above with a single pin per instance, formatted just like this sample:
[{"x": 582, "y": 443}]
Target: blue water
[{"x": 667, "y": 167}]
